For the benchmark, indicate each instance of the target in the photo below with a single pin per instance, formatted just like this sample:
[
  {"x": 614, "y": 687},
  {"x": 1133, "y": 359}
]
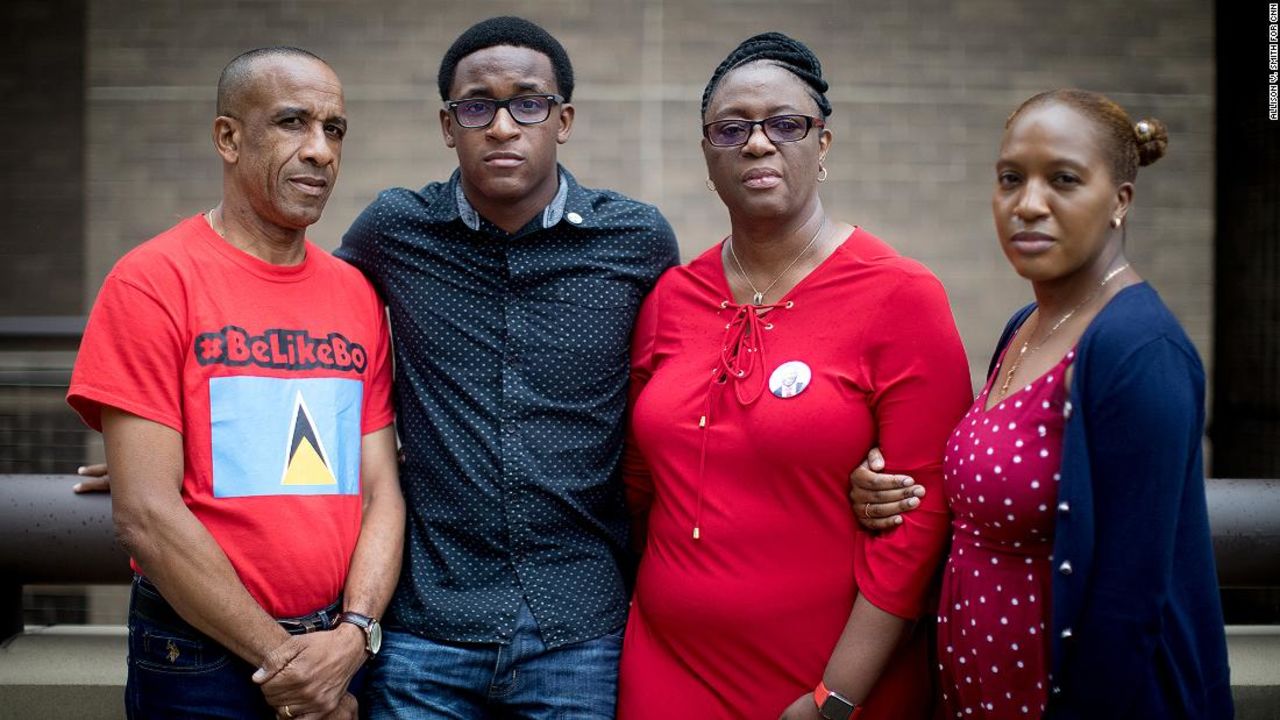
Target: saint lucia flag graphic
[
  {"x": 276, "y": 436},
  {"x": 305, "y": 461}
]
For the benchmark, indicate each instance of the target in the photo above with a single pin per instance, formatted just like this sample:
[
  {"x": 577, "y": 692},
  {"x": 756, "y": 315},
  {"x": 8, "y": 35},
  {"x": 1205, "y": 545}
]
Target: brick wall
[{"x": 921, "y": 90}]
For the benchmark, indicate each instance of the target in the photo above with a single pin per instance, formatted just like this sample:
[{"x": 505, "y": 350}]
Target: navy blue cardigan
[{"x": 1137, "y": 620}]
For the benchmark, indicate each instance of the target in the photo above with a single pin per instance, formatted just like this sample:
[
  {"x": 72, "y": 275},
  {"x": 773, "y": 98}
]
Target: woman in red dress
[{"x": 762, "y": 372}]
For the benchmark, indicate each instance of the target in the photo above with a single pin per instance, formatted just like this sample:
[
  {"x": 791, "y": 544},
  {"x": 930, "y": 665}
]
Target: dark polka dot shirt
[{"x": 511, "y": 371}]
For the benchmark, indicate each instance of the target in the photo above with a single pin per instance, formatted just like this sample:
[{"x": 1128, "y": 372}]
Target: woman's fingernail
[
  {"x": 905, "y": 481},
  {"x": 912, "y": 502}
]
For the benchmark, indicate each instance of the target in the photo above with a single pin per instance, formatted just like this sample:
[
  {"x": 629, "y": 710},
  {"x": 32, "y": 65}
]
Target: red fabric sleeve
[
  {"x": 920, "y": 389},
  {"x": 131, "y": 358},
  {"x": 377, "y": 411},
  {"x": 635, "y": 472}
]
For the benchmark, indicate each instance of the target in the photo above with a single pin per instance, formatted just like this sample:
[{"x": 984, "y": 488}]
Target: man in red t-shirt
[{"x": 241, "y": 379}]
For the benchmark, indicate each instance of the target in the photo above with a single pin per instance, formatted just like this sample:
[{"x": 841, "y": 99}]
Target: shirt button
[
  {"x": 1066, "y": 410},
  {"x": 1064, "y": 507},
  {"x": 1065, "y": 567},
  {"x": 1066, "y": 633},
  {"x": 1057, "y": 690}
]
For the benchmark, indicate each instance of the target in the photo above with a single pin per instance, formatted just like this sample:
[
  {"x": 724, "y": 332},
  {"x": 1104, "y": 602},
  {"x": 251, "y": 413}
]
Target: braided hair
[{"x": 785, "y": 52}]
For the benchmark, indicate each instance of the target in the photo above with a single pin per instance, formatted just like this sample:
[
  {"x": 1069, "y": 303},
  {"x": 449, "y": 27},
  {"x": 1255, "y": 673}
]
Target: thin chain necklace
[
  {"x": 758, "y": 297},
  {"x": 1023, "y": 353},
  {"x": 208, "y": 216}
]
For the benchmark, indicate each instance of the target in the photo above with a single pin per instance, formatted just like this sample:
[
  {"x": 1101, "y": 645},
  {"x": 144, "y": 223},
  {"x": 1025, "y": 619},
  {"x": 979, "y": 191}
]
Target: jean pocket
[
  {"x": 163, "y": 650},
  {"x": 168, "y": 644}
]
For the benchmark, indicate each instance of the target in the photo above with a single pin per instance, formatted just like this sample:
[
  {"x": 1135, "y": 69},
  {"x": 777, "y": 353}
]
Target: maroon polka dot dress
[{"x": 1000, "y": 476}]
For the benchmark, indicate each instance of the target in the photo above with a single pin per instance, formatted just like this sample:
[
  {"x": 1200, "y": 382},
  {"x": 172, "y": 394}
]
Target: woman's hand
[
  {"x": 97, "y": 479},
  {"x": 804, "y": 708},
  {"x": 878, "y": 500}
]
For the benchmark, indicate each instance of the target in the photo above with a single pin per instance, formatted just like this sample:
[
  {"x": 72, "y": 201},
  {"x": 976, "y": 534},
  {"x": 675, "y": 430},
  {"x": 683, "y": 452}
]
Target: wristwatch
[
  {"x": 833, "y": 705},
  {"x": 372, "y": 630}
]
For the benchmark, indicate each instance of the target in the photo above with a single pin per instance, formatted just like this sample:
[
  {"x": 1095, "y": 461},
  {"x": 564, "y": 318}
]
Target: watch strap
[
  {"x": 364, "y": 622},
  {"x": 366, "y": 625},
  {"x": 846, "y": 708}
]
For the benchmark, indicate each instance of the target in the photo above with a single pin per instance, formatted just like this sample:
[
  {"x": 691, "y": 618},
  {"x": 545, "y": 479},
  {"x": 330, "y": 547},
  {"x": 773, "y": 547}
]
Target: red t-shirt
[{"x": 272, "y": 375}]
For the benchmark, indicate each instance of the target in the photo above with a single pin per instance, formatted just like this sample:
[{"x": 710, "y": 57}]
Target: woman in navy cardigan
[{"x": 1134, "y": 627}]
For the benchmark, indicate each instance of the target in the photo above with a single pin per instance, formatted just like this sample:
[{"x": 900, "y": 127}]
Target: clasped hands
[{"x": 306, "y": 676}]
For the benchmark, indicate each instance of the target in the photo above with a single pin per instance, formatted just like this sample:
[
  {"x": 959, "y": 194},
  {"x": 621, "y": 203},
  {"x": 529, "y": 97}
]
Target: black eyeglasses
[
  {"x": 524, "y": 109},
  {"x": 779, "y": 129}
]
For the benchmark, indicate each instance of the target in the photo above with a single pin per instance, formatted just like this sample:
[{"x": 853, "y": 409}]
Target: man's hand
[
  {"x": 804, "y": 708},
  {"x": 879, "y": 499},
  {"x": 98, "y": 479},
  {"x": 310, "y": 673},
  {"x": 348, "y": 709}
]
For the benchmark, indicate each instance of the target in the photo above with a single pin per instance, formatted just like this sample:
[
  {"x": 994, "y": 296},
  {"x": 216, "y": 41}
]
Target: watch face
[
  {"x": 375, "y": 637},
  {"x": 836, "y": 708}
]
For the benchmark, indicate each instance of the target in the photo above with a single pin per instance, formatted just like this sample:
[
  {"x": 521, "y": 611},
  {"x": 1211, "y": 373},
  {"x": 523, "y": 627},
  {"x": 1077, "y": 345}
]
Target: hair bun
[{"x": 1152, "y": 138}]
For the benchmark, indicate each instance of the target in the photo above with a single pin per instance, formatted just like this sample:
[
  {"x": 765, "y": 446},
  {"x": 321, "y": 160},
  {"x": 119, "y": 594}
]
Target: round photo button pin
[{"x": 790, "y": 379}]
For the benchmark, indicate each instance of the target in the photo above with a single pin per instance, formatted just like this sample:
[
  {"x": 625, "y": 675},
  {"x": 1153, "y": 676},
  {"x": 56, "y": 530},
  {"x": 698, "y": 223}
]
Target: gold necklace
[
  {"x": 1023, "y": 354},
  {"x": 758, "y": 297}
]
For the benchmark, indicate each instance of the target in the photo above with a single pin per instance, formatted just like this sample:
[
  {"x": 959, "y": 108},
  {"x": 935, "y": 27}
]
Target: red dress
[
  {"x": 1001, "y": 478},
  {"x": 745, "y": 427}
]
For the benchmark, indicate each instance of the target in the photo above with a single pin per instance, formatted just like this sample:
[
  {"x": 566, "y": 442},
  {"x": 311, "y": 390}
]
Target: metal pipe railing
[
  {"x": 1244, "y": 516},
  {"x": 50, "y": 535}
]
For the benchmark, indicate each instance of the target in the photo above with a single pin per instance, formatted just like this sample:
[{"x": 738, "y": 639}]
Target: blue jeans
[
  {"x": 419, "y": 679},
  {"x": 176, "y": 671}
]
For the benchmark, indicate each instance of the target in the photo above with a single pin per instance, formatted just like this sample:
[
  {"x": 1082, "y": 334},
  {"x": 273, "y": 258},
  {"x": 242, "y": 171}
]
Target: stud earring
[
  {"x": 1115, "y": 222},
  {"x": 710, "y": 185}
]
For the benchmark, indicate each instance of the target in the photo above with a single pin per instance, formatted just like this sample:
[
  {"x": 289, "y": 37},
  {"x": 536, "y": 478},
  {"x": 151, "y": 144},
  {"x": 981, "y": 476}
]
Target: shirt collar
[
  {"x": 570, "y": 203},
  {"x": 551, "y": 214}
]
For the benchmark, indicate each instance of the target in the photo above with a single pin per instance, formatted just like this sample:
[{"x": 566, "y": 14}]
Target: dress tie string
[
  {"x": 742, "y": 361},
  {"x": 742, "y": 353}
]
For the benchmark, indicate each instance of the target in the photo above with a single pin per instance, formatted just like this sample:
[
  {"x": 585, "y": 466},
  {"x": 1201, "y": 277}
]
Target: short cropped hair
[
  {"x": 507, "y": 30},
  {"x": 235, "y": 76}
]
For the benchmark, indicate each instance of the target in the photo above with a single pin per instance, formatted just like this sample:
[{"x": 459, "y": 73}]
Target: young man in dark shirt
[{"x": 512, "y": 292}]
